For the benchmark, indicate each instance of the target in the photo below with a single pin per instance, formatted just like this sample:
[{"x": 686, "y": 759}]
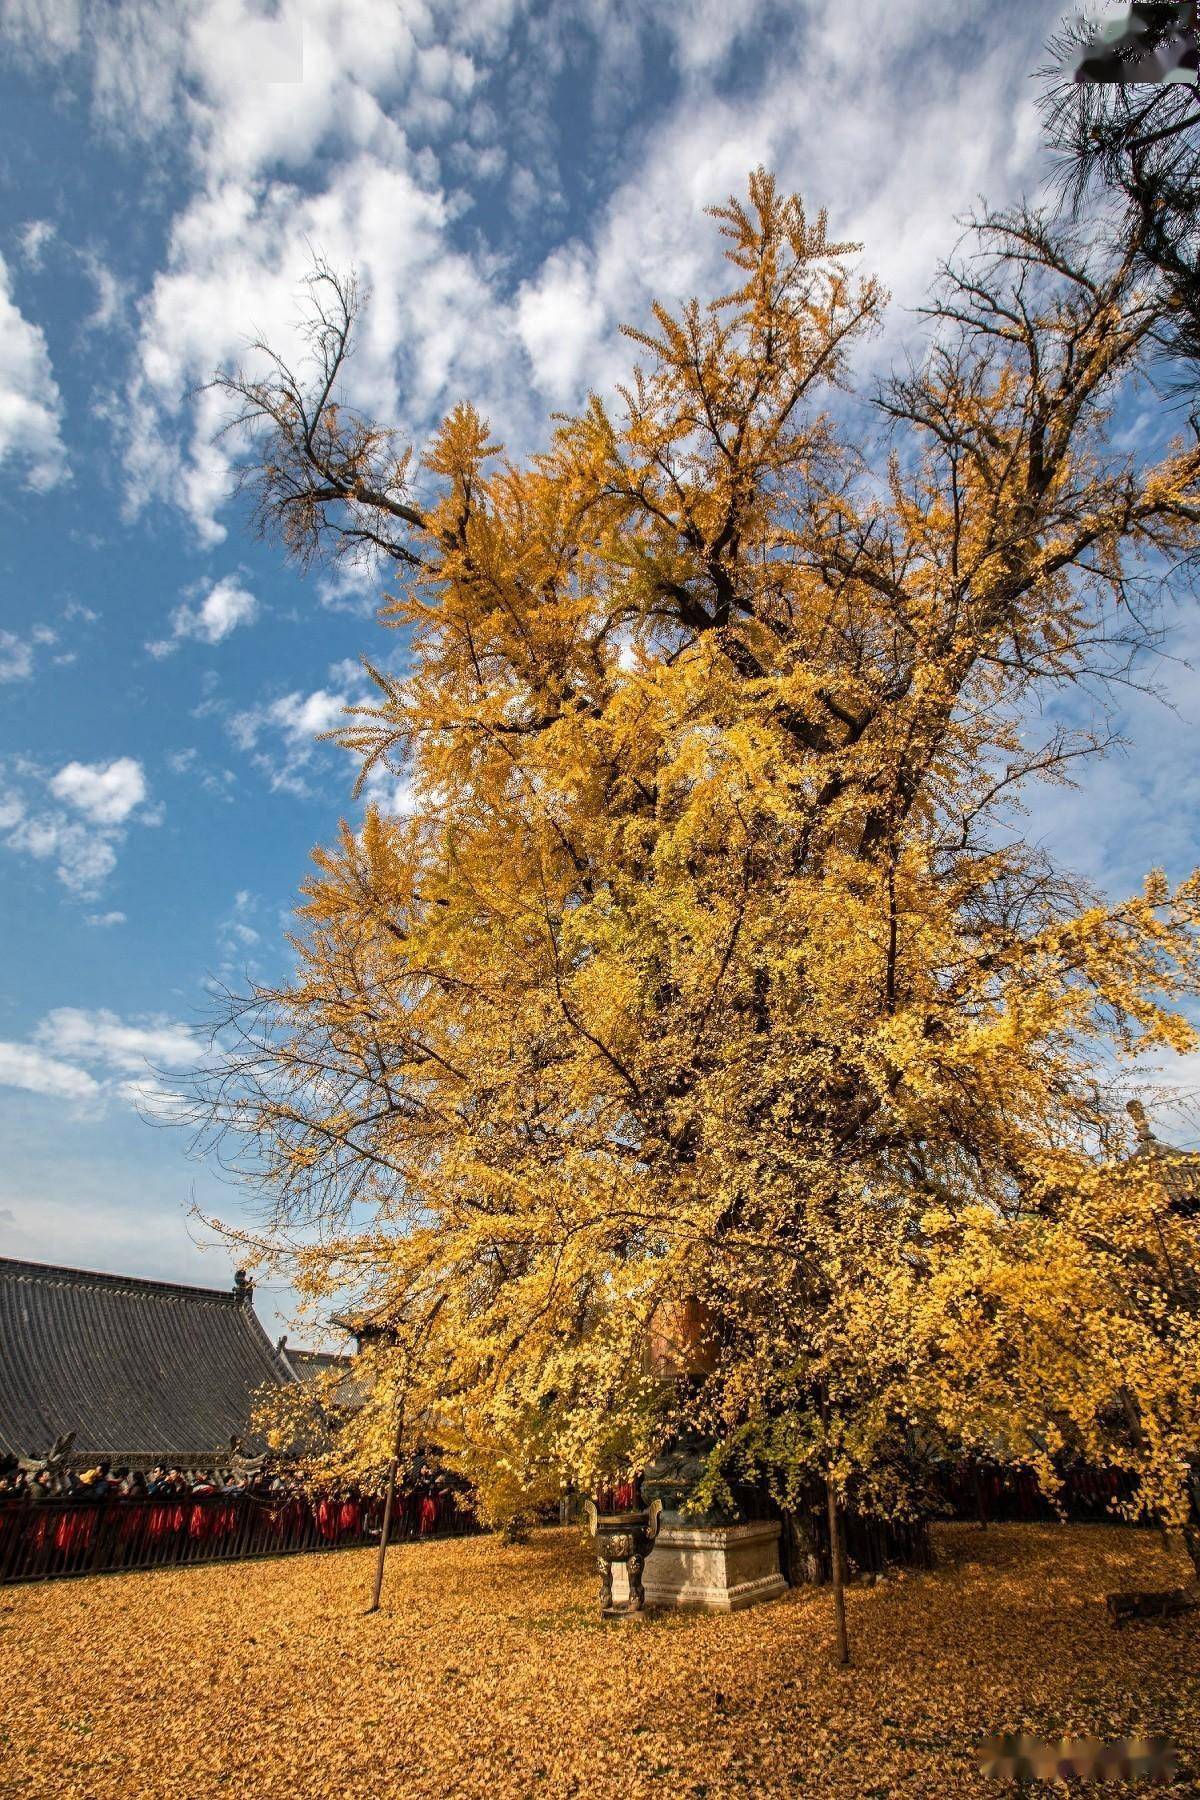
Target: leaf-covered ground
[{"x": 488, "y": 1673}]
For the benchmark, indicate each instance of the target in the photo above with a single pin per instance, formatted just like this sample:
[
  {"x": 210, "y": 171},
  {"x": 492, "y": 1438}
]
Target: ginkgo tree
[{"x": 708, "y": 962}]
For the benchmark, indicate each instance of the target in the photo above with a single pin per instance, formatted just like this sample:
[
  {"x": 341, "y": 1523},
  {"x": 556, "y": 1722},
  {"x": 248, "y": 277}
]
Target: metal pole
[{"x": 393, "y": 1469}]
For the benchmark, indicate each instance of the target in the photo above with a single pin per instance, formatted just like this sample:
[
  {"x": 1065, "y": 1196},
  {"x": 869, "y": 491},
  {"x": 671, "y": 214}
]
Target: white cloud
[
  {"x": 237, "y": 938},
  {"x": 105, "y": 1038},
  {"x": 17, "y": 654},
  {"x": 390, "y": 792},
  {"x": 222, "y": 78},
  {"x": 104, "y": 799},
  {"x": 1135, "y": 809},
  {"x": 226, "y": 606},
  {"x": 30, "y": 402},
  {"x": 16, "y": 657},
  {"x": 105, "y": 793},
  {"x": 831, "y": 117},
  {"x": 237, "y": 73},
  {"x": 282, "y": 734},
  {"x": 36, "y": 234},
  {"x": 353, "y": 585},
  {"x": 301, "y": 716},
  {"x": 91, "y": 1058},
  {"x": 400, "y": 104},
  {"x": 30, "y": 1068},
  {"x": 444, "y": 323},
  {"x": 560, "y": 318},
  {"x": 104, "y": 920},
  {"x": 218, "y": 782},
  {"x": 84, "y": 859},
  {"x": 237, "y": 258},
  {"x": 45, "y": 29},
  {"x": 113, "y": 295}
]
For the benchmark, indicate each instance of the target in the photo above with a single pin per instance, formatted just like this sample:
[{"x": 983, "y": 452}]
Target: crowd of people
[
  {"x": 61, "y": 1521},
  {"x": 104, "y": 1482}
]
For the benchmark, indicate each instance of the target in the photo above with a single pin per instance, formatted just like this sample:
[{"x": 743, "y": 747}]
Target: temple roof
[
  {"x": 139, "y": 1370},
  {"x": 1177, "y": 1170},
  {"x": 310, "y": 1363},
  {"x": 335, "y": 1370}
]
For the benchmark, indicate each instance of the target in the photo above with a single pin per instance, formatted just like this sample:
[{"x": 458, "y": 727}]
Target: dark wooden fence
[{"x": 47, "y": 1540}]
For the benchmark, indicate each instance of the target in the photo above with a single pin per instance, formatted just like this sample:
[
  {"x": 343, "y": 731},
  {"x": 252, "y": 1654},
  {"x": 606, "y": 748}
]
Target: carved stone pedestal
[{"x": 716, "y": 1568}]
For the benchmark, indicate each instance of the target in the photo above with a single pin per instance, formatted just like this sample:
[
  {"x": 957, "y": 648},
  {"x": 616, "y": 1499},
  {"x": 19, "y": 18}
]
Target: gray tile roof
[
  {"x": 336, "y": 1371},
  {"x": 137, "y": 1369}
]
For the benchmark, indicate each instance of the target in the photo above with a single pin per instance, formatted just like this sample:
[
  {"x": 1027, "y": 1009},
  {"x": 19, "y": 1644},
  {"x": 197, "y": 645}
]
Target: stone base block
[{"x": 717, "y": 1568}]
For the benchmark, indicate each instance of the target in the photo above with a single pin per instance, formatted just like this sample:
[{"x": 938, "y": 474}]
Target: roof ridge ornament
[
  {"x": 1177, "y": 1170},
  {"x": 1146, "y": 1137}
]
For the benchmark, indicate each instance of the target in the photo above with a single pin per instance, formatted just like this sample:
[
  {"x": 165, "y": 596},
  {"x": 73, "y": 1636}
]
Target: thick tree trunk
[
  {"x": 837, "y": 1566},
  {"x": 1191, "y": 1543},
  {"x": 980, "y": 1507},
  {"x": 1191, "y": 1531},
  {"x": 801, "y": 1549}
]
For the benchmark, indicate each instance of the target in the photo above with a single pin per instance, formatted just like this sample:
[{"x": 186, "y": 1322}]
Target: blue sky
[{"x": 510, "y": 181}]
